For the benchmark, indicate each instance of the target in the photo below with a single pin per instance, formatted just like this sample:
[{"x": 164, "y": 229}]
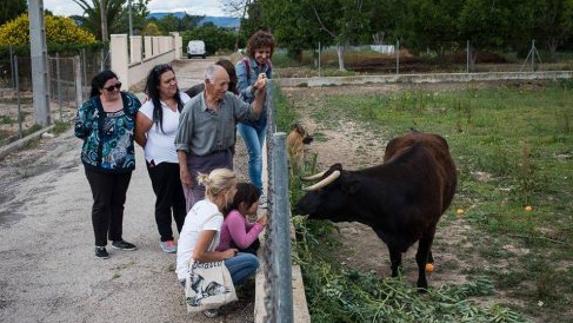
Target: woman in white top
[
  {"x": 200, "y": 236},
  {"x": 156, "y": 127}
]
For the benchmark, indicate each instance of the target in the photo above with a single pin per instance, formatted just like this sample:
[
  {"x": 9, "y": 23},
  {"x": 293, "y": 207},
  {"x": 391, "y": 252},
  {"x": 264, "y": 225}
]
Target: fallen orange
[{"x": 429, "y": 267}]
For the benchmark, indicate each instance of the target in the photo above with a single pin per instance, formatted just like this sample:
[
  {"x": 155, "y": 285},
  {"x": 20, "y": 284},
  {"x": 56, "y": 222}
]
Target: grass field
[{"x": 513, "y": 146}]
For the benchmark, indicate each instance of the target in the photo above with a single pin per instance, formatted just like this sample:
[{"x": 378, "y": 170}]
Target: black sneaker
[
  {"x": 123, "y": 245},
  {"x": 101, "y": 252}
]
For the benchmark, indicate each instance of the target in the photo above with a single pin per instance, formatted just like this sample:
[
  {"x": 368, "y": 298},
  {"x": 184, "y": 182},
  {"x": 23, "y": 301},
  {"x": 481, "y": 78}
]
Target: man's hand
[
  {"x": 261, "y": 83},
  {"x": 185, "y": 177}
]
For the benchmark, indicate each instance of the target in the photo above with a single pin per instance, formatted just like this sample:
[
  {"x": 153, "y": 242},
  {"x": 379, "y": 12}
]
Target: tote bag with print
[{"x": 207, "y": 286}]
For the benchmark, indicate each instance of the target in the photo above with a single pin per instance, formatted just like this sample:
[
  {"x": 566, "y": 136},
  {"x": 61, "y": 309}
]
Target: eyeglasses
[{"x": 112, "y": 87}]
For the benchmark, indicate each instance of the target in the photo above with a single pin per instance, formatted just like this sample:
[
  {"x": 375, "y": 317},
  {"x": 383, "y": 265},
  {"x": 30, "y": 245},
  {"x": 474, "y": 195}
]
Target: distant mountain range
[{"x": 226, "y": 22}]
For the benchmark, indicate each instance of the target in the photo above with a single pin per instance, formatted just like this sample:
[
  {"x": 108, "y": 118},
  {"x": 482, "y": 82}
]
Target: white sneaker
[{"x": 168, "y": 246}]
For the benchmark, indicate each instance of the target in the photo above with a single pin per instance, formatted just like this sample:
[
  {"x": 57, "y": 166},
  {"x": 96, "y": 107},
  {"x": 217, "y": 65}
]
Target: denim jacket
[
  {"x": 108, "y": 137},
  {"x": 247, "y": 72}
]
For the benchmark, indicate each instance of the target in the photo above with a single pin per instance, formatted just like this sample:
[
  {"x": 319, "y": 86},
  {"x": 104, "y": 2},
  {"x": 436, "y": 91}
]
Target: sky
[{"x": 194, "y": 7}]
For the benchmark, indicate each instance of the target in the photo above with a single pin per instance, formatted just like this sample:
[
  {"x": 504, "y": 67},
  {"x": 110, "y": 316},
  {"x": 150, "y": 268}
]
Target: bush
[{"x": 60, "y": 31}]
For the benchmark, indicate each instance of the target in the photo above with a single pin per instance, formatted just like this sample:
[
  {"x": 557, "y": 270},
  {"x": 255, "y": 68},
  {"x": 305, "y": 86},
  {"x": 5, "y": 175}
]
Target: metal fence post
[
  {"x": 12, "y": 67},
  {"x": 84, "y": 69},
  {"x": 78, "y": 80},
  {"x": 59, "y": 83},
  {"x": 282, "y": 266},
  {"x": 398, "y": 56},
  {"x": 17, "y": 83},
  {"x": 467, "y": 56},
  {"x": 533, "y": 55},
  {"x": 319, "y": 50}
]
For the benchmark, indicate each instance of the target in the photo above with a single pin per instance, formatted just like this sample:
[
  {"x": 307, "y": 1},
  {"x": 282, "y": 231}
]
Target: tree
[
  {"x": 169, "y": 23},
  {"x": 10, "y": 9},
  {"x": 139, "y": 15},
  {"x": 431, "y": 24},
  {"x": 116, "y": 15},
  {"x": 553, "y": 22},
  {"x": 343, "y": 20},
  {"x": 487, "y": 24},
  {"x": 234, "y": 8},
  {"x": 59, "y": 31},
  {"x": 385, "y": 18},
  {"x": 292, "y": 23},
  {"x": 151, "y": 29}
]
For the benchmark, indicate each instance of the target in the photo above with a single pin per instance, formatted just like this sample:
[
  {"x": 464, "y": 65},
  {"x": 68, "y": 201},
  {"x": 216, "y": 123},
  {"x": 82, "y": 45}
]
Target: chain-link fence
[
  {"x": 69, "y": 78},
  {"x": 277, "y": 252},
  {"x": 394, "y": 58}
]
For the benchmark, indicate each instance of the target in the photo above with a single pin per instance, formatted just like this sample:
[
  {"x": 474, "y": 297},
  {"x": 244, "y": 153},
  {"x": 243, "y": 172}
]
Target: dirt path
[{"x": 49, "y": 272}]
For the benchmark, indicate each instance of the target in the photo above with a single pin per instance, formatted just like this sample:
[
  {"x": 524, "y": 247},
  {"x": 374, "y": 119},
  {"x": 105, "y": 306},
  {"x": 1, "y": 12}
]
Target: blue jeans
[
  {"x": 242, "y": 266},
  {"x": 254, "y": 140}
]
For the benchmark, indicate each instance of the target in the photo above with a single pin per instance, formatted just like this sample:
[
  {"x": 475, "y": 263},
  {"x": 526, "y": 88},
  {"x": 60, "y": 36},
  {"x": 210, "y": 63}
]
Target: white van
[{"x": 196, "y": 48}]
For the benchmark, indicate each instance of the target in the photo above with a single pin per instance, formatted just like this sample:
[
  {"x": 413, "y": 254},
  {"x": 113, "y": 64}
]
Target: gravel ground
[{"x": 49, "y": 272}]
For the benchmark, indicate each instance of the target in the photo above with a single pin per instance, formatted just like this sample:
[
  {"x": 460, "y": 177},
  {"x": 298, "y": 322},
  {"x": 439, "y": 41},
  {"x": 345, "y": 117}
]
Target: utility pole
[
  {"x": 39, "y": 57},
  {"x": 103, "y": 18},
  {"x": 130, "y": 19}
]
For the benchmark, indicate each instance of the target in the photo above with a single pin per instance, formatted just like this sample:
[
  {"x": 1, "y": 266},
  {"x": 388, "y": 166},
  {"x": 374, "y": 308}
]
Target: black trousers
[
  {"x": 170, "y": 198},
  {"x": 108, "y": 192}
]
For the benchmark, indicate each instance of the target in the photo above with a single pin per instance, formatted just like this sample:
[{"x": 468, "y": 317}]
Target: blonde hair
[{"x": 219, "y": 181}]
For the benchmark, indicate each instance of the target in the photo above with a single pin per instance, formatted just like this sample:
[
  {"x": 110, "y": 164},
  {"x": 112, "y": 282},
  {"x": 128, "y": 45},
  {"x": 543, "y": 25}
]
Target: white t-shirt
[
  {"x": 160, "y": 146},
  {"x": 204, "y": 215}
]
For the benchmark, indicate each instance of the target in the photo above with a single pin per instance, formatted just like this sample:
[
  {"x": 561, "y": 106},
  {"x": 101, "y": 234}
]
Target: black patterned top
[{"x": 108, "y": 137}]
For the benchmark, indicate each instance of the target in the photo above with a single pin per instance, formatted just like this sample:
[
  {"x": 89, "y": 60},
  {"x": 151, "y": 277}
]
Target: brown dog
[{"x": 296, "y": 139}]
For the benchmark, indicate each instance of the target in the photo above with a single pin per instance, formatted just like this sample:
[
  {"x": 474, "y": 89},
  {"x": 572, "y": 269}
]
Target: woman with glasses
[
  {"x": 156, "y": 127},
  {"x": 106, "y": 123}
]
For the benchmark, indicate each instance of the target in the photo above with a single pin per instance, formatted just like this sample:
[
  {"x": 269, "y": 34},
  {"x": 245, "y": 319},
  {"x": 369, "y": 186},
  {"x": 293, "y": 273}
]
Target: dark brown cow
[{"x": 401, "y": 200}]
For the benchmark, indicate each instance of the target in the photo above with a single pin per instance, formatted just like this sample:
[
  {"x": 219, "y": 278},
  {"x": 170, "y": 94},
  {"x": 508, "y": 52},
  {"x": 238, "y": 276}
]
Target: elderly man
[{"x": 206, "y": 132}]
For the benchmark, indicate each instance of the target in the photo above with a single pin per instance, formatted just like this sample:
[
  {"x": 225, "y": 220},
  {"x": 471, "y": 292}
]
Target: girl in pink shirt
[{"x": 236, "y": 231}]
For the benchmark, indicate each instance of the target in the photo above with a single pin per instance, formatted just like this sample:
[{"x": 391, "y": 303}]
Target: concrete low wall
[
  {"x": 138, "y": 71},
  {"x": 21, "y": 143},
  {"x": 423, "y": 78},
  {"x": 131, "y": 66}
]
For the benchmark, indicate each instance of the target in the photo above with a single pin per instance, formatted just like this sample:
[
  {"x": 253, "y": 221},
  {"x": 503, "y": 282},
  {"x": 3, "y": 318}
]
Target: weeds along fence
[
  {"x": 277, "y": 251},
  {"x": 69, "y": 77}
]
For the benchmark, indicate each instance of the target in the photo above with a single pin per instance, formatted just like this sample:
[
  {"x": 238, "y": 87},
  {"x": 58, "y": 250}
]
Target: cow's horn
[
  {"x": 313, "y": 177},
  {"x": 331, "y": 178}
]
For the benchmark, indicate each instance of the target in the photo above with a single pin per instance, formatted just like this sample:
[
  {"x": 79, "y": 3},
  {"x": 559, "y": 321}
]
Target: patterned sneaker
[
  {"x": 123, "y": 245},
  {"x": 101, "y": 252},
  {"x": 211, "y": 313},
  {"x": 168, "y": 246}
]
